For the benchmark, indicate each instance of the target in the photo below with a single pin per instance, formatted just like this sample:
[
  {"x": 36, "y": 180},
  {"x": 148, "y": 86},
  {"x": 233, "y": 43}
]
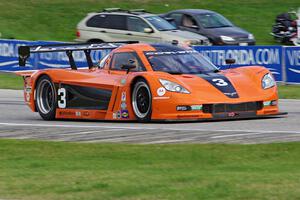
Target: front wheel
[
  {"x": 142, "y": 101},
  {"x": 46, "y": 98}
]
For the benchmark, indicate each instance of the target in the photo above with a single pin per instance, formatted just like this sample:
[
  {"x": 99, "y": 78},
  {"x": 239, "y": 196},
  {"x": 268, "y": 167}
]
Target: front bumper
[
  {"x": 225, "y": 117},
  {"x": 238, "y": 42},
  {"x": 167, "y": 109}
]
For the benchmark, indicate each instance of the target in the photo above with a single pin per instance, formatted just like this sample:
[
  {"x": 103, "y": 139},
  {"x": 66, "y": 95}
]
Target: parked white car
[{"x": 136, "y": 25}]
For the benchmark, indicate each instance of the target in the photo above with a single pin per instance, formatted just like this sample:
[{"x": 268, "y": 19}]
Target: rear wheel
[
  {"x": 46, "y": 98},
  {"x": 142, "y": 101}
]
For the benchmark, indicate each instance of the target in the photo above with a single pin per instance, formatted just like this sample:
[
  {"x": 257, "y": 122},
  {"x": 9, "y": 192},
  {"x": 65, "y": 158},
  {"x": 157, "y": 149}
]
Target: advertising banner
[
  {"x": 283, "y": 62},
  {"x": 292, "y": 64},
  {"x": 267, "y": 56},
  {"x": 9, "y": 57}
]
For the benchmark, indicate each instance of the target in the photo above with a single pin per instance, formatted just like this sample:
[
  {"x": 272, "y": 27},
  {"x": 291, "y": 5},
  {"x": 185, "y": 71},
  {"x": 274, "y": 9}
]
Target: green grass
[
  {"x": 50, "y": 170},
  {"x": 10, "y": 81},
  {"x": 57, "y": 19}
]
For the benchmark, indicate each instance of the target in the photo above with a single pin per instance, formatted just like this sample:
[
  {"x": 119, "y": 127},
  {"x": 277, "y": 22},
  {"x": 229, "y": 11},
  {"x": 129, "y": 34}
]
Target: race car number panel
[
  {"x": 81, "y": 97},
  {"x": 222, "y": 83}
]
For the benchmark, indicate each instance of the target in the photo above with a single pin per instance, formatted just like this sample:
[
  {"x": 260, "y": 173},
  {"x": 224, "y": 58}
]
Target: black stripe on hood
[{"x": 220, "y": 82}]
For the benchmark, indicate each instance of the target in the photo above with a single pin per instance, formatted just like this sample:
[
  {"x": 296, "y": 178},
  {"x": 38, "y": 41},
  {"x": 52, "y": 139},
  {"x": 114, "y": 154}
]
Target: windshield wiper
[{"x": 173, "y": 72}]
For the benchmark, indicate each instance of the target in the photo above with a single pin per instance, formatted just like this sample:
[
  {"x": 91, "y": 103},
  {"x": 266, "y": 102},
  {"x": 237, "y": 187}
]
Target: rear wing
[{"x": 25, "y": 51}]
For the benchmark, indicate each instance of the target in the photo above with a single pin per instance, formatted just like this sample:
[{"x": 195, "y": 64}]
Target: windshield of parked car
[
  {"x": 160, "y": 23},
  {"x": 180, "y": 62},
  {"x": 213, "y": 20}
]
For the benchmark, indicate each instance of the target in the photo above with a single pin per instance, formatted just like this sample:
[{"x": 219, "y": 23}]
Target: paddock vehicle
[
  {"x": 115, "y": 24},
  {"x": 147, "y": 82},
  {"x": 216, "y": 27},
  {"x": 285, "y": 29}
]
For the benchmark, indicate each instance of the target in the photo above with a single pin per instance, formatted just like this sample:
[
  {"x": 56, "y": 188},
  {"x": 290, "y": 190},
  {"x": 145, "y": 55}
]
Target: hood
[
  {"x": 227, "y": 86},
  {"x": 234, "y": 32},
  {"x": 181, "y": 35}
]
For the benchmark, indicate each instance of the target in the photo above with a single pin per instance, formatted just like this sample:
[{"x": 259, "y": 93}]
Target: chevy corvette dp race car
[{"x": 146, "y": 82}]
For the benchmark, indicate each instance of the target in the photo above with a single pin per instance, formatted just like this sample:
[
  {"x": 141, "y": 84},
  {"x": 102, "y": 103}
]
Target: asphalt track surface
[{"x": 17, "y": 121}]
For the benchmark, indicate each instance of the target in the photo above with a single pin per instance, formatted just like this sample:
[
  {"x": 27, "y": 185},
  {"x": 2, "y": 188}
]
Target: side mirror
[
  {"x": 148, "y": 30},
  {"x": 169, "y": 19},
  {"x": 230, "y": 61},
  {"x": 128, "y": 67}
]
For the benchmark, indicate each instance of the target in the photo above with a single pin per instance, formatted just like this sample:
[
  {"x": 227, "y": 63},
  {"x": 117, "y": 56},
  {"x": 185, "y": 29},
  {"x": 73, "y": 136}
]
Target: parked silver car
[{"x": 120, "y": 25}]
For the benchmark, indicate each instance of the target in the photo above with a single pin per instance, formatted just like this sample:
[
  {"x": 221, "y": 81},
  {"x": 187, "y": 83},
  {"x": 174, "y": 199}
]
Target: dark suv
[{"x": 217, "y": 28}]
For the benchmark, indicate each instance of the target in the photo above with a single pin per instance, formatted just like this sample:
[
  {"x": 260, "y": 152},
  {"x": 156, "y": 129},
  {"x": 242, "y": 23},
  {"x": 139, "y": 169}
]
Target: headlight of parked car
[
  {"x": 173, "y": 87},
  {"x": 251, "y": 36},
  {"x": 268, "y": 81},
  {"x": 191, "y": 42},
  {"x": 226, "y": 38}
]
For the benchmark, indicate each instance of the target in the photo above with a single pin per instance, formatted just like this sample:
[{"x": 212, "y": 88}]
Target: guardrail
[{"x": 282, "y": 61}]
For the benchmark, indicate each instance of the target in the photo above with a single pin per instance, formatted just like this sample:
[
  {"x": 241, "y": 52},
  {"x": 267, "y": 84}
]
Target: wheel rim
[
  {"x": 45, "y": 96},
  {"x": 141, "y": 100}
]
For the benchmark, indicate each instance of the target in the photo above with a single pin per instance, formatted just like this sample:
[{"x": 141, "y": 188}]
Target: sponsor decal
[
  {"x": 27, "y": 97},
  {"x": 123, "y": 81},
  {"x": 78, "y": 114},
  {"x": 232, "y": 94},
  {"x": 161, "y": 91},
  {"x": 151, "y": 53},
  {"x": 118, "y": 114},
  {"x": 67, "y": 113},
  {"x": 156, "y": 98},
  {"x": 28, "y": 89},
  {"x": 85, "y": 113},
  {"x": 123, "y": 98},
  {"x": 232, "y": 114},
  {"x": 123, "y": 105},
  {"x": 114, "y": 116},
  {"x": 125, "y": 114},
  {"x": 196, "y": 107}
]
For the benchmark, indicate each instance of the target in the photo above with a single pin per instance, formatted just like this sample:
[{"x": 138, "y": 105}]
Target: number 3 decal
[
  {"x": 62, "y": 102},
  {"x": 220, "y": 82}
]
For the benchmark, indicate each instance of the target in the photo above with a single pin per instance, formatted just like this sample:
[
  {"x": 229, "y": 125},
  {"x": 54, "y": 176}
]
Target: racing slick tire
[
  {"x": 142, "y": 101},
  {"x": 46, "y": 98}
]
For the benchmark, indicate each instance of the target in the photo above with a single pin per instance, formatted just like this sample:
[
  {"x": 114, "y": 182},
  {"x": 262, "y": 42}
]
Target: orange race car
[{"x": 147, "y": 82}]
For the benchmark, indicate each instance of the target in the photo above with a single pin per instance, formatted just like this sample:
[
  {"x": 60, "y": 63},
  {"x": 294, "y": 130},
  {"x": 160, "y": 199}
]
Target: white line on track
[
  {"x": 146, "y": 128},
  {"x": 236, "y": 135}
]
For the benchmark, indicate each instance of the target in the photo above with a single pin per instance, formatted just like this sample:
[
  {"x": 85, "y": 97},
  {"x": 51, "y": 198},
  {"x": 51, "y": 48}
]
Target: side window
[
  {"x": 188, "y": 21},
  {"x": 116, "y": 22},
  {"x": 136, "y": 24},
  {"x": 120, "y": 59},
  {"x": 177, "y": 18},
  {"x": 107, "y": 21},
  {"x": 97, "y": 21}
]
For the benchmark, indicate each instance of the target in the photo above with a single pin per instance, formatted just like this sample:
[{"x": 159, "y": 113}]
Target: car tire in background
[{"x": 142, "y": 100}]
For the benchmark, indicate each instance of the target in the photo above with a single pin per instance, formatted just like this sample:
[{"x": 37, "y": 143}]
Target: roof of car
[
  {"x": 194, "y": 11},
  {"x": 159, "y": 47}
]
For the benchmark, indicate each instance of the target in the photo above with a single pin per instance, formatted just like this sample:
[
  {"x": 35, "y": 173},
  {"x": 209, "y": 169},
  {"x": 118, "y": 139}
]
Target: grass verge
[
  {"x": 51, "y": 170},
  {"x": 10, "y": 81},
  {"x": 57, "y": 19}
]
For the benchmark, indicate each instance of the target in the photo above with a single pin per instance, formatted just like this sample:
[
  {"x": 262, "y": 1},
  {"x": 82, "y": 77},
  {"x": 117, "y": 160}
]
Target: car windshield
[
  {"x": 213, "y": 20},
  {"x": 180, "y": 62},
  {"x": 160, "y": 23}
]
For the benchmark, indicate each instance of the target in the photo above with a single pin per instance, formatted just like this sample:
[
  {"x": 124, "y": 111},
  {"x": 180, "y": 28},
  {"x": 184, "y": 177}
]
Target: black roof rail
[
  {"x": 112, "y": 10},
  {"x": 132, "y": 11}
]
